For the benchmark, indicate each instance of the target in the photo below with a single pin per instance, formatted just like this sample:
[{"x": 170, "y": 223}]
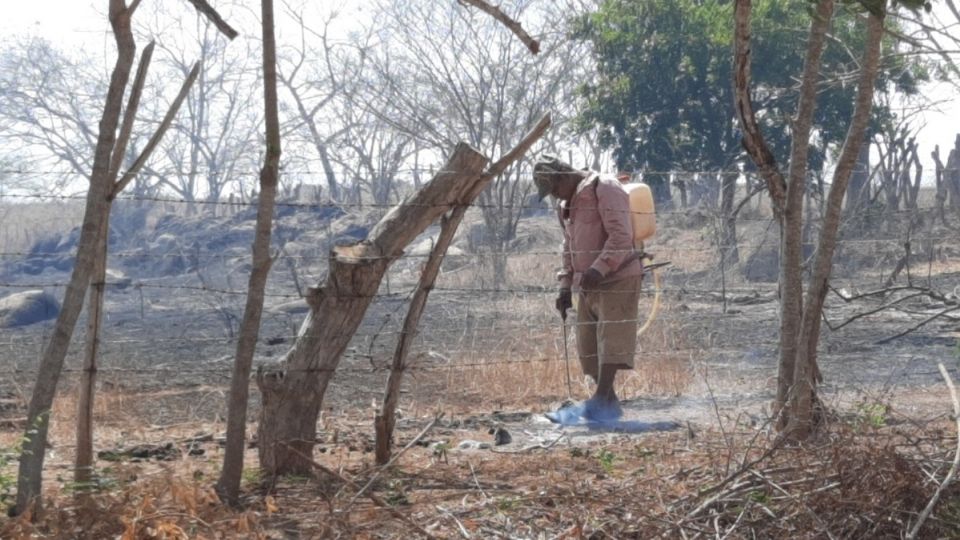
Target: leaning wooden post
[
  {"x": 83, "y": 460},
  {"x": 292, "y": 391},
  {"x": 386, "y": 419}
]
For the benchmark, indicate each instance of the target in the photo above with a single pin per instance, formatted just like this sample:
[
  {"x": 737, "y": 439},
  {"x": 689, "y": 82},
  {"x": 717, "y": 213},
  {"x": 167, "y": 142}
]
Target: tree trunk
[
  {"x": 228, "y": 486},
  {"x": 806, "y": 375},
  {"x": 83, "y": 461},
  {"x": 293, "y": 391},
  {"x": 787, "y": 195},
  {"x": 753, "y": 141},
  {"x": 681, "y": 183},
  {"x": 660, "y": 186},
  {"x": 913, "y": 189},
  {"x": 102, "y": 191},
  {"x": 30, "y": 473},
  {"x": 941, "y": 184},
  {"x": 791, "y": 271}
]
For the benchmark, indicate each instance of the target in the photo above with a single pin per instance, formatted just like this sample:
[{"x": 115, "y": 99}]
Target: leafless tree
[
  {"x": 900, "y": 171},
  {"x": 106, "y": 182},
  {"x": 446, "y": 71},
  {"x": 229, "y": 484},
  {"x": 212, "y": 148},
  {"x": 319, "y": 75},
  {"x": 49, "y": 103},
  {"x": 948, "y": 179}
]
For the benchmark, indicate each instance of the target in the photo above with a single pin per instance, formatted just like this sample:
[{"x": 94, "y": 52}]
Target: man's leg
[
  {"x": 587, "y": 350},
  {"x": 586, "y": 330},
  {"x": 617, "y": 309}
]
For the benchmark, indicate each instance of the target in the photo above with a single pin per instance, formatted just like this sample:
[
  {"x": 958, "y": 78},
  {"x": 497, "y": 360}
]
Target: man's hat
[{"x": 544, "y": 173}]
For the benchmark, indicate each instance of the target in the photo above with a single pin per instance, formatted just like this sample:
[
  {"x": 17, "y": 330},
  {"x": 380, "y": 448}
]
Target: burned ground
[{"x": 489, "y": 355}]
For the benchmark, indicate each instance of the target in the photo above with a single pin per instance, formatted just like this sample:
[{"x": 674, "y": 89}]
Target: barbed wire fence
[{"x": 175, "y": 325}]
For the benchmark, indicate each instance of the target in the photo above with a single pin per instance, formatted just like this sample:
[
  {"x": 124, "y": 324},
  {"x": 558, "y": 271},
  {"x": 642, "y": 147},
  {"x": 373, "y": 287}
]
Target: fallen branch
[
  {"x": 376, "y": 500},
  {"x": 956, "y": 457},
  {"x": 746, "y": 466},
  {"x": 396, "y": 457},
  {"x": 797, "y": 500},
  {"x": 513, "y": 25},
  {"x": 888, "y": 290},
  {"x": 870, "y": 312},
  {"x": 919, "y": 325}
]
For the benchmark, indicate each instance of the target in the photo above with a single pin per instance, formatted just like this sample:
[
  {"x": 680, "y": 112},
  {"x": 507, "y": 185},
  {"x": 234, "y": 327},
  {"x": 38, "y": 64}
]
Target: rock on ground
[{"x": 28, "y": 307}]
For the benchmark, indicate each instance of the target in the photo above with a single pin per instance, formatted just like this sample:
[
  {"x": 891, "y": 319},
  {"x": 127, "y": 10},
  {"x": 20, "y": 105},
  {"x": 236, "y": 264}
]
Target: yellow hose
[{"x": 656, "y": 303}]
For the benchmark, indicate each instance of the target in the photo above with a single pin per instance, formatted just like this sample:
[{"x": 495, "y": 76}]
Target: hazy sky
[{"x": 80, "y": 25}]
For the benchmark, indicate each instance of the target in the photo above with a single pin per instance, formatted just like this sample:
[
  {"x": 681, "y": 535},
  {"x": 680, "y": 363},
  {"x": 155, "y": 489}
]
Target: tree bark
[
  {"x": 806, "y": 375},
  {"x": 83, "y": 460},
  {"x": 293, "y": 391},
  {"x": 228, "y": 486},
  {"x": 786, "y": 195},
  {"x": 30, "y": 473}
]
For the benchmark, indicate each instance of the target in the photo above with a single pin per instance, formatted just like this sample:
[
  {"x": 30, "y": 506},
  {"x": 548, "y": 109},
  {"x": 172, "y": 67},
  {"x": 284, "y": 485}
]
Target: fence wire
[{"x": 182, "y": 329}]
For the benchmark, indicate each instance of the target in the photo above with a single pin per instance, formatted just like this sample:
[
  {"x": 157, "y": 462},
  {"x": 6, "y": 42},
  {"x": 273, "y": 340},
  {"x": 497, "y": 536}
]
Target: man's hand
[
  {"x": 564, "y": 302},
  {"x": 591, "y": 279}
]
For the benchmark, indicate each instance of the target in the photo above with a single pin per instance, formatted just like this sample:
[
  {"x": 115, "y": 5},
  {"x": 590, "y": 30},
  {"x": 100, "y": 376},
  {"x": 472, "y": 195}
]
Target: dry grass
[
  {"x": 23, "y": 224},
  {"x": 853, "y": 481},
  {"x": 527, "y": 369}
]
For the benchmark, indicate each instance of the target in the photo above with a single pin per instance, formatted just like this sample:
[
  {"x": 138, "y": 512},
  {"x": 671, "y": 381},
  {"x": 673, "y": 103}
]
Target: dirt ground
[{"x": 490, "y": 357}]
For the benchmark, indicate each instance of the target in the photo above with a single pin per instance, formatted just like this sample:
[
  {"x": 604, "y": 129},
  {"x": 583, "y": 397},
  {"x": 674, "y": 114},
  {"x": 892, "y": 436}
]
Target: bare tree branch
[
  {"x": 513, "y": 25},
  {"x": 207, "y": 10},
  {"x": 753, "y": 140},
  {"x": 126, "y": 128},
  {"x": 956, "y": 457},
  {"x": 919, "y": 325},
  {"x": 155, "y": 139}
]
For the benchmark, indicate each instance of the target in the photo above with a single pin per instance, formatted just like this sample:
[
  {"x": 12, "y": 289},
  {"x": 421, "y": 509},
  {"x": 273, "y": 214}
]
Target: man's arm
[{"x": 613, "y": 204}]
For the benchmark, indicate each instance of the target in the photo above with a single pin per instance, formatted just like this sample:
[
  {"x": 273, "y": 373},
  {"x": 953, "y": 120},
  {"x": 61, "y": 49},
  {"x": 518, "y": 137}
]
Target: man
[{"x": 601, "y": 267}]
